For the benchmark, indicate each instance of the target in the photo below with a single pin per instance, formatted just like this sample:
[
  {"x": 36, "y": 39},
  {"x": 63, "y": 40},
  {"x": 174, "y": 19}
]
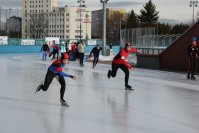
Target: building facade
[
  {"x": 114, "y": 18},
  {"x": 42, "y": 18}
]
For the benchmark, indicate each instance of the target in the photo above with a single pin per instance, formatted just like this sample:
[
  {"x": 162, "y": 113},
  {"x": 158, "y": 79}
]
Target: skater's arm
[
  {"x": 134, "y": 50},
  {"x": 127, "y": 64},
  {"x": 65, "y": 75},
  {"x": 91, "y": 52}
]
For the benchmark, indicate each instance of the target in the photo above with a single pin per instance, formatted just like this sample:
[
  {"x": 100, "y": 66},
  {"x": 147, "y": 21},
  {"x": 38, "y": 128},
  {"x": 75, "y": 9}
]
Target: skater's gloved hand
[
  {"x": 73, "y": 77},
  {"x": 132, "y": 68}
]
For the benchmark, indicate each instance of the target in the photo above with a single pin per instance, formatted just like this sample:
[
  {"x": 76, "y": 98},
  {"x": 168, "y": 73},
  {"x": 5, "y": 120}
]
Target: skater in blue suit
[{"x": 55, "y": 71}]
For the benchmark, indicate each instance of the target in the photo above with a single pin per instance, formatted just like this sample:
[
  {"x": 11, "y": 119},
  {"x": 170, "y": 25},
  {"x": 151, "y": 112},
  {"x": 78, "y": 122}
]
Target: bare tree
[{"x": 37, "y": 25}]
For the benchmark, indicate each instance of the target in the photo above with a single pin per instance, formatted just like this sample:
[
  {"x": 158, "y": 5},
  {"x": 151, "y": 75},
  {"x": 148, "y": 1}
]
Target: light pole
[
  {"x": 193, "y": 4},
  {"x": 0, "y": 18},
  {"x": 9, "y": 23},
  {"x": 81, "y": 4},
  {"x": 104, "y": 26}
]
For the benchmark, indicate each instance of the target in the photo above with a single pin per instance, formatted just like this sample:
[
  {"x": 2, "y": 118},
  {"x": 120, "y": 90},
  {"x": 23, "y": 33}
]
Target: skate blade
[
  {"x": 128, "y": 89},
  {"x": 64, "y": 104}
]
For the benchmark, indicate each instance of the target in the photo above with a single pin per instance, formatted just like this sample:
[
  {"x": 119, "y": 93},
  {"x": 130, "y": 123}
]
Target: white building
[{"x": 63, "y": 22}]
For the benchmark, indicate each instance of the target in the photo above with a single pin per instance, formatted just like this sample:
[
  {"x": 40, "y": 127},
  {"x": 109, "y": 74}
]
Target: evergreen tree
[
  {"x": 179, "y": 28},
  {"x": 131, "y": 20},
  {"x": 163, "y": 28},
  {"x": 149, "y": 15}
]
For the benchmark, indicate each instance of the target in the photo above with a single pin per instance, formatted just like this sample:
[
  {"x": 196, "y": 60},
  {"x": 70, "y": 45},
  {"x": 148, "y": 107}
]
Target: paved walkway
[{"x": 162, "y": 102}]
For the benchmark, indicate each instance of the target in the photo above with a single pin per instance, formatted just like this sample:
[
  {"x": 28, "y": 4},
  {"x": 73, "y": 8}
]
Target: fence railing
[
  {"x": 20, "y": 41},
  {"x": 155, "y": 44}
]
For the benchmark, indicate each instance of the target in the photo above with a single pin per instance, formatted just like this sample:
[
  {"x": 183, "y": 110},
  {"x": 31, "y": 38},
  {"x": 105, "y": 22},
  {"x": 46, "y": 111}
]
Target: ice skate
[
  {"x": 193, "y": 78},
  {"x": 39, "y": 87},
  {"x": 188, "y": 76},
  {"x": 64, "y": 103},
  {"x": 128, "y": 87},
  {"x": 109, "y": 75}
]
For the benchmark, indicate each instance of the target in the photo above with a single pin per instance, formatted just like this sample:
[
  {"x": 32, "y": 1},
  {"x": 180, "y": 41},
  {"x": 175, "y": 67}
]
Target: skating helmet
[
  {"x": 65, "y": 56},
  {"x": 194, "y": 38},
  {"x": 127, "y": 44}
]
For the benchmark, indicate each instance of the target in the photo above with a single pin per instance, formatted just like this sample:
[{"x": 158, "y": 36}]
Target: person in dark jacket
[
  {"x": 192, "y": 52},
  {"x": 119, "y": 61},
  {"x": 44, "y": 50},
  {"x": 95, "y": 52},
  {"x": 55, "y": 71}
]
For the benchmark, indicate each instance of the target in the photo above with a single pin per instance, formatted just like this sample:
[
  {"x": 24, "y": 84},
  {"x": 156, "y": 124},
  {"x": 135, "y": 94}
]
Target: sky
[{"x": 169, "y": 10}]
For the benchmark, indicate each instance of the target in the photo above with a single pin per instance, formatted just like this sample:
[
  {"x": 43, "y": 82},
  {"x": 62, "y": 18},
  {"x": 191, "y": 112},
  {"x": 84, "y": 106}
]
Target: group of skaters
[
  {"x": 119, "y": 62},
  {"x": 55, "y": 70}
]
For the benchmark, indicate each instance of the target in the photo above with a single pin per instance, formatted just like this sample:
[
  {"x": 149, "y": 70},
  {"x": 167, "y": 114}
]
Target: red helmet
[{"x": 65, "y": 56}]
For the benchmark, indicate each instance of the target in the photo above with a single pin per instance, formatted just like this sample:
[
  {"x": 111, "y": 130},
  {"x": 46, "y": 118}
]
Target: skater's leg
[
  {"x": 45, "y": 54},
  {"x": 189, "y": 68},
  {"x": 96, "y": 61},
  {"x": 63, "y": 86},
  {"x": 193, "y": 68},
  {"x": 126, "y": 71},
  {"x": 82, "y": 59},
  {"x": 48, "y": 79},
  {"x": 114, "y": 69}
]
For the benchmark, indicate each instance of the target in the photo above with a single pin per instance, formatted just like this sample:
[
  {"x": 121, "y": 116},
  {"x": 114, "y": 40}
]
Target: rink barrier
[{"x": 37, "y": 49}]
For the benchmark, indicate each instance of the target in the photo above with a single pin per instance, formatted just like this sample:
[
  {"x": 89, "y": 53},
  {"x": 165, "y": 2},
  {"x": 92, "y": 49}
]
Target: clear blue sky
[{"x": 169, "y": 9}]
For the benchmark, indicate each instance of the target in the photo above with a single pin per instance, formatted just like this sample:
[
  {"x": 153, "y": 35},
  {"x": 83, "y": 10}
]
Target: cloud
[
  {"x": 11, "y": 3},
  {"x": 124, "y": 4},
  {"x": 98, "y": 4}
]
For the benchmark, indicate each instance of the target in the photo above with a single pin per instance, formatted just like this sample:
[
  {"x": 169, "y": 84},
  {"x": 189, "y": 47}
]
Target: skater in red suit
[
  {"x": 55, "y": 71},
  {"x": 55, "y": 50},
  {"x": 119, "y": 61}
]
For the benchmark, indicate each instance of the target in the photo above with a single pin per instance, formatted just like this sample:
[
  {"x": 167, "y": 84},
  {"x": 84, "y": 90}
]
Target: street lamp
[
  {"x": 81, "y": 4},
  {"x": 9, "y": 23},
  {"x": 104, "y": 25},
  {"x": 193, "y": 4}
]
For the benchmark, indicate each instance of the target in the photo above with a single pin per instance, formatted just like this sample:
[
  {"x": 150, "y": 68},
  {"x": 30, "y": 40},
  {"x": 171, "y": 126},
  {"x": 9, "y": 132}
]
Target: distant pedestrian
[
  {"x": 62, "y": 48},
  {"x": 44, "y": 51},
  {"x": 81, "y": 50},
  {"x": 192, "y": 52}
]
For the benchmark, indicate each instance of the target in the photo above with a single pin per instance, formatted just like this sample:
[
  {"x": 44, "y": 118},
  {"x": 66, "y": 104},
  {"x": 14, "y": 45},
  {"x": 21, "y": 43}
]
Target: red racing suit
[{"x": 121, "y": 57}]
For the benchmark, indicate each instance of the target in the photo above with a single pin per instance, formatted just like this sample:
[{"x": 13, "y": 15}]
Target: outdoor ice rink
[{"x": 162, "y": 102}]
